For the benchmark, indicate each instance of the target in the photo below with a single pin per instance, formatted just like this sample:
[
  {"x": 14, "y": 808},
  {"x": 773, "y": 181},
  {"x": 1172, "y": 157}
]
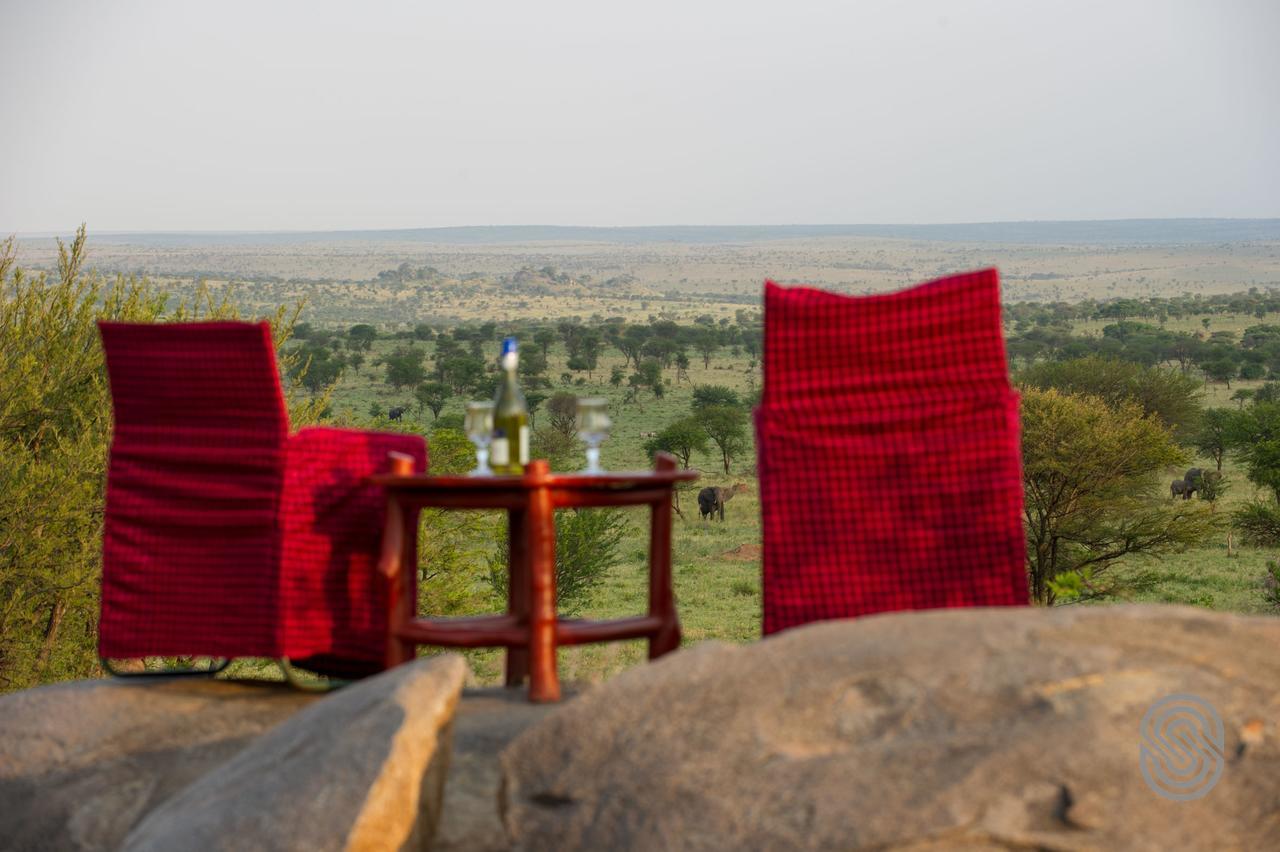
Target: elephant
[
  {"x": 711, "y": 500},
  {"x": 396, "y": 413},
  {"x": 1180, "y": 488},
  {"x": 1192, "y": 479}
]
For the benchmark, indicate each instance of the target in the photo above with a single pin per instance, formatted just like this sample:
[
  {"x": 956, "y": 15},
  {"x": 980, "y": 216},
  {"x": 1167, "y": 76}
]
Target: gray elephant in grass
[
  {"x": 1193, "y": 479},
  {"x": 1179, "y": 488}
]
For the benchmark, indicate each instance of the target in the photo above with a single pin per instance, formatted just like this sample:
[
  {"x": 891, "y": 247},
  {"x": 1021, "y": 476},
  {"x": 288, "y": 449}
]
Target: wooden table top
[{"x": 608, "y": 481}]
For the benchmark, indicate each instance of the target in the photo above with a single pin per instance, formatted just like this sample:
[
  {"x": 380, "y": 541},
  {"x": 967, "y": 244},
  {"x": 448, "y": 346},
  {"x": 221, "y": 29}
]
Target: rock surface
[
  {"x": 362, "y": 769},
  {"x": 971, "y": 729},
  {"x": 488, "y": 719},
  {"x": 81, "y": 763}
]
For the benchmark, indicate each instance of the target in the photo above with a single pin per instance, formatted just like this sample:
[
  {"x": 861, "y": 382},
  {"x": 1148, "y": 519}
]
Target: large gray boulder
[
  {"x": 971, "y": 729},
  {"x": 363, "y": 769},
  {"x": 488, "y": 719},
  {"x": 81, "y": 763}
]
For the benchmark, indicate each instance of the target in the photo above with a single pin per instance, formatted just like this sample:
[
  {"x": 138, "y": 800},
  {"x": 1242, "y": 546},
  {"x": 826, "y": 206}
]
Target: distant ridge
[{"x": 1113, "y": 231}]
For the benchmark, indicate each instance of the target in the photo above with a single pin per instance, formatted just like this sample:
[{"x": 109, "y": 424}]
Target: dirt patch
[{"x": 742, "y": 553}]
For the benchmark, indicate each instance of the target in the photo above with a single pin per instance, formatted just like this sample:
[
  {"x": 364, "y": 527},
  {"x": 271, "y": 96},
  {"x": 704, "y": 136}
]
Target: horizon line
[{"x": 46, "y": 233}]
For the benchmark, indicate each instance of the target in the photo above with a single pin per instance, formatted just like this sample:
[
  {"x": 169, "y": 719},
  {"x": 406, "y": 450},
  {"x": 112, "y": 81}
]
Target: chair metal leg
[
  {"x": 297, "y": 682},
  {"x": 216, "y": 664}
]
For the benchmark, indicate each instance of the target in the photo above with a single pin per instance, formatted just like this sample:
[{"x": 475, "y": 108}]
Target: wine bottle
[{"x": 509, "y": 452}]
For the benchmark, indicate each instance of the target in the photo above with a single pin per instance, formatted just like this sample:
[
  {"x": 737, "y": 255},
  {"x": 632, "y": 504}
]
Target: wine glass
[
  {"x": 593, "y": 428},
  {"x": 479, "y": 426}
]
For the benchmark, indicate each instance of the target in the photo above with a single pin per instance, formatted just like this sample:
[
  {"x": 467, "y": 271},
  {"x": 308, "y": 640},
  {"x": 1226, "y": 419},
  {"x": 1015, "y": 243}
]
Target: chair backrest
[
  {"x": 887, "y": 441},
  {"x": 190, "y": 544}
]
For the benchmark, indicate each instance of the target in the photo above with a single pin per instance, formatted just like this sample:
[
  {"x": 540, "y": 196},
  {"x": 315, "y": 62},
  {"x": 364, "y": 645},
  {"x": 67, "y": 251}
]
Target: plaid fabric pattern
[
  {"x": 220, "y": 537},
  {"x": 331, "y": 523},
  {"x": 887, "y": 444}
]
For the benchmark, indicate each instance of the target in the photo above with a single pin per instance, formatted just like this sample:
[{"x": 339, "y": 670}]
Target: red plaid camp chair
[
  {"x": 887, "y": 441},
  {"x": 225, "y": 536}
]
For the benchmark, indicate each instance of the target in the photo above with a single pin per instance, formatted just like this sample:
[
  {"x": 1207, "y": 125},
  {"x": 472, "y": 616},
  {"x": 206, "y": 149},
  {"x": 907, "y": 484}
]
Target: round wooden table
[{"x": 531, "y": 630}]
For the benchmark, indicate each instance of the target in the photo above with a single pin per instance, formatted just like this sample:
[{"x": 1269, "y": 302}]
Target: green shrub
[
  {"x": 452, "y": 546},
  {"x": 562, "y": 451},
  {"x": 1258, "y": 523},
  {"x": 55, "y": 426},
  {"x": 587, "y": 543}
]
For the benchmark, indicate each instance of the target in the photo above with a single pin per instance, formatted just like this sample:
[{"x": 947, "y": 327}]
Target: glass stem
[
  {"x": 593, "y": 459},
  {"x": 482, "y": 460}
]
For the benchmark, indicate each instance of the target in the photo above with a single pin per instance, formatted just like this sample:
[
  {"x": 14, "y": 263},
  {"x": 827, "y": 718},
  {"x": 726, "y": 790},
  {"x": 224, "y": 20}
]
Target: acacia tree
[
  {"x": 563, "y": 409},
  {"x": 362, "y": 336},
  {"x": 533, "y": 400},
  {"x": 682, "y": 367},
  {"x": 1168, "y": 394},
  {"x": 404, "y": 367},
  {"x": 707, "y": 342},
  {"x": 1254, "y": 433},
  {"x": 629, "y": 342},
  {"x": 706, "y": 396},
  {"x": 1213, "y": 436},
  {"x": 543, "y": 338},
  {"x": 681, "y": 439},
  {"x": 433, "y": 396},
  {"x": 1091, "y": 495},
  {"x": 726, "y": 427},
  {"x": 648, "y": 375},
  {"x": 317, "y": 368}
]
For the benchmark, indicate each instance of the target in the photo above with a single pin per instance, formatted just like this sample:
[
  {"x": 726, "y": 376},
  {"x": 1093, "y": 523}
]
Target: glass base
[{"x": 482, "y": 463}]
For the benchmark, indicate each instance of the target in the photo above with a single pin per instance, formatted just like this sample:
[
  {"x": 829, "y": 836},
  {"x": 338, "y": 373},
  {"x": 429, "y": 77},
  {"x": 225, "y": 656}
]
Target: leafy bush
[
  {"x": 55, "y": 426},
  {"x": 452, "y": 545},
  {"x": 707, "y": 396},
  {"x": 1258, "y": 523},
  {"x": 563, "y": 411},
  {"x": 454, "y": 421},
  {"x": 562, "y": 450},
  {"x": 587, "y": 543}
]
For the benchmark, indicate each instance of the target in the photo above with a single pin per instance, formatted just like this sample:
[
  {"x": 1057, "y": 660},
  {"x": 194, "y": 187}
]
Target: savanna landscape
[
  {"x": 1120, "y": 335},
  {"x": 988, "y": 563}
]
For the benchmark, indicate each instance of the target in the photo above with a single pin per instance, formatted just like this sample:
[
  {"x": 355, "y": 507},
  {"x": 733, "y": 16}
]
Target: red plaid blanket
[
  {"x": 887, "y": 440},
  {"x": 224, "y": 535}
]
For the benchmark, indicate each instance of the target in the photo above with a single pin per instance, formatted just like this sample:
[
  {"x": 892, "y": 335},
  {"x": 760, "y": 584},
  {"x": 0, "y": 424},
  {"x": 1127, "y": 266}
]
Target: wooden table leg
[
  {"x": 661, "y": 595},
  {"x": 518, "y": 590},
  {"x": 544, "y": 685},
  {"x": 398, "y": 566}
]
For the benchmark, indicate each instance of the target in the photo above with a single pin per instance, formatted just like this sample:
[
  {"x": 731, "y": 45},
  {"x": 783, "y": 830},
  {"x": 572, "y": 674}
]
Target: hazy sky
[{"x": 317, "y": 115}]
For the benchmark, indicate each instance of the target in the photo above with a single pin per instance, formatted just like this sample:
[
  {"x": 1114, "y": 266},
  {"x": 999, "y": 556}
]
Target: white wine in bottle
[{"x": 509, "y": 452}]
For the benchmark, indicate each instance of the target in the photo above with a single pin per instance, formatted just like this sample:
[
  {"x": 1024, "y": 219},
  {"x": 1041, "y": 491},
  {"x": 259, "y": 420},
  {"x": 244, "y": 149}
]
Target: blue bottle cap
[{"x": 508, "y": 346}]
